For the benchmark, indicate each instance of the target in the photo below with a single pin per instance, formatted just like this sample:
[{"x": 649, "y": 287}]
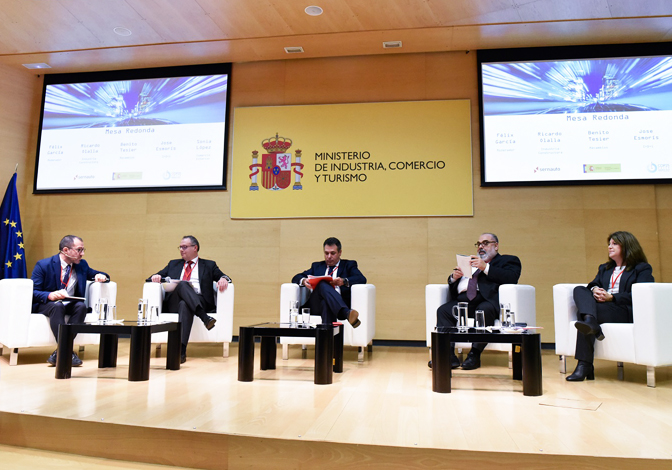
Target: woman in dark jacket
[{"x": 608, "y": 298}]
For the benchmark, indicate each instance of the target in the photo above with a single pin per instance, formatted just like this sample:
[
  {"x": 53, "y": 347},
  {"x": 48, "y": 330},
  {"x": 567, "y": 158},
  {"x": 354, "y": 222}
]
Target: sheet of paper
[{"x": 464, "y": 263}]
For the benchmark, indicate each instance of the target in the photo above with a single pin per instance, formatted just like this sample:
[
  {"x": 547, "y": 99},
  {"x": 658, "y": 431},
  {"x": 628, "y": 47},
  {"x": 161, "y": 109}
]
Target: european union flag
[{"x": 11, "y": 235}]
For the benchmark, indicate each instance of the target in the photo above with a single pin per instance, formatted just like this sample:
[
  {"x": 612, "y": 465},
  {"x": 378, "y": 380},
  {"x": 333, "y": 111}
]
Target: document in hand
[
  {"x": 313, "y": 281},
  {"x": 464, "y": 263}
]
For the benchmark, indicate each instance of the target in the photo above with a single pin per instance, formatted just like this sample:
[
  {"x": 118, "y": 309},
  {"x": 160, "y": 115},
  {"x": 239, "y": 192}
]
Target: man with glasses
[
  {"x": 56, "y": 280},
  {"x": 481, "y": 291},
  {"x": 194, "y": 296}
]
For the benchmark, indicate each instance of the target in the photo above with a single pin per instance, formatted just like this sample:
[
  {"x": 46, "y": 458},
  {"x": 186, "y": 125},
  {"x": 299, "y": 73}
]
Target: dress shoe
[
  {"x": 584, "y": 370},
  {"x": 52, "y": 359},
  {"x": 183, "y": 358},
  {"x": 590, "y": 327},
  {"x": 209, "y": 322},
  {"x": 76, "y": 361},
  {"x": 353, "y": 318},
  {"x": 473, "y": 361},
  {"x": 454, "y": 362}
]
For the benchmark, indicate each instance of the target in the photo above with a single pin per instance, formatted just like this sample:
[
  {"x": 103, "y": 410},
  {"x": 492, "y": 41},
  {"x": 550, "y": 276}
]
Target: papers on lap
[{"x": 313, "y": 281}]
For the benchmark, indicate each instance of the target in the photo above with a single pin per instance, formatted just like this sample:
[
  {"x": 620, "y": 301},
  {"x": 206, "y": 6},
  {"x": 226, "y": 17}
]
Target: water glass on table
[
  {"x": 293, "y": 313},
  {"x": 101, "y": 309},
  {"x": 143, "y": 310},
  {"x": 461, "y": 315},
  {"x": 479, "y": 320},
  {"x": 305, "y": 317}
]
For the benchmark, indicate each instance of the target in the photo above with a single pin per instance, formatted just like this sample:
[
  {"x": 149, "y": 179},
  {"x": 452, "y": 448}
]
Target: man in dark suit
[
  {"x": 331, "y": 299},
  {"x": 481, "y": 292},
  {"x": 195, "y": 295},
  {"x": 59, "y": 277}
]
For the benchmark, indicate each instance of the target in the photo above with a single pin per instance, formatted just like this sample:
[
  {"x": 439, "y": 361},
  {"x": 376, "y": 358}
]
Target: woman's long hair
[{"x": 631, "y": 250}]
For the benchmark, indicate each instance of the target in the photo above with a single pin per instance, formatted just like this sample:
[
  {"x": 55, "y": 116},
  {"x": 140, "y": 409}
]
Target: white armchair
[
  {"x": 19, "y": 328},
  {"x": 521, "y": 298},
  {"x": 644, "y": 342},
  {"x": 221, "y": 333},
  {"x": 363, "y": 300}
]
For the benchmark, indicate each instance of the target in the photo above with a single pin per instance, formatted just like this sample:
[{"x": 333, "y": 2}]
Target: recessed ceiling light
[
  {"x": 122, "y": 31},
  {"x": 391, "y": 44},
  {"x": 37, "y": 66},
  {"x": 313, "y": 10},
  {"x": 294, "y": 50}
]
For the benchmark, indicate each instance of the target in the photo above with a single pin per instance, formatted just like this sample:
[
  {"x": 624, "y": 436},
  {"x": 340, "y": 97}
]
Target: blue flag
[{"x": 11, "y": 235}]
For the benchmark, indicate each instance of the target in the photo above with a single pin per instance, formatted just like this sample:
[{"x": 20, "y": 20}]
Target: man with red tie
[
  {"x": 481, "y": 291},
  {"x": 59, "y": 278},
  {"x": 331, "y": 299},
  {"x": 194, "y": 295}
]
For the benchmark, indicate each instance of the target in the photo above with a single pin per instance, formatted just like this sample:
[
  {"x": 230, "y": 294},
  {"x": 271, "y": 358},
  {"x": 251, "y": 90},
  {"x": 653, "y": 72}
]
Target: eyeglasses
[
  {"x": 78, "y": 250},
  {"x": 484, "y": 243},
  {"x": 184, "y": 247}
]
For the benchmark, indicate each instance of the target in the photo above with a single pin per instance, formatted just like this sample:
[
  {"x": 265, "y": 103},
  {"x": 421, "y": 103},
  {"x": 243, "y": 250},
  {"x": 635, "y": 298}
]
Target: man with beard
[{"x": 481, "y": 292}]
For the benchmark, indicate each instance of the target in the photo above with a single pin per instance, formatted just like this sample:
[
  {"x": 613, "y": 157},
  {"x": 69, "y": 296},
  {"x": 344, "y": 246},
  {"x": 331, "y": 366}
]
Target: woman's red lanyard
[{"x": 614, "y": 279}]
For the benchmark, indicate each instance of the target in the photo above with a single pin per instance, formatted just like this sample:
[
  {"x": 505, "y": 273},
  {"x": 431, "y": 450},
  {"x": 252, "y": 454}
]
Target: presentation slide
[
  {"x": 138, "y": 133},
  {"x": 577, "y": 120}
]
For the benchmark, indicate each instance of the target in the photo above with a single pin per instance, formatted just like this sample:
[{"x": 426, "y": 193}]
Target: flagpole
[{"x": 16, "y": 168}]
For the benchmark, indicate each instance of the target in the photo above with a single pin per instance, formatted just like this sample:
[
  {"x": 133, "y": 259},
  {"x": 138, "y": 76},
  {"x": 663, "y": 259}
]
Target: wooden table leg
[
  {"x": 64, "y": 352},
  {"x": 107, "y": 351},
  {"x": 174, "y": 343},
  {"x": 269, "y": 351},
  {"x": 138, "y": 363},
  {"x": 324, "y": 354},
  {"x": 532, "y": 381},
  {"x": 441, "y": 370},
  {"x": 246, "y": 354},
  {"x": 338, "y": 350}
]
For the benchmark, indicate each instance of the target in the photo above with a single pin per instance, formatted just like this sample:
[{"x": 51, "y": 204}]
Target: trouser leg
[{"x": 328, "y": 303}]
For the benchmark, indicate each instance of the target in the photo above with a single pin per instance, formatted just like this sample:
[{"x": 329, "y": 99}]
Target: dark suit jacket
[
  {"x": 346, "y": 269},
  {"x": 642, "y": 272},
  {"x": 47, "y": 278},
  {"x": 208, "y": 272},
  {"x": 504, "y": 269}
]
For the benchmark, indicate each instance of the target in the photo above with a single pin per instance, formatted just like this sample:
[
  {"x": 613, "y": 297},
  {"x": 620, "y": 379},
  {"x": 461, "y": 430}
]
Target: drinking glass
[
  {"x": 154, "y": 313},
  {"x": 101, "y": 309},
  {"x": 503, "y": 309},
  {"x": 511, "y": 319},
  {"x": 305, "y": 317},
  {"x": 461, "y": 315},
  {"x": 293, "y": 312},
  {"x": 142, "y": 310},
  {"x": 479, "y": 320}
]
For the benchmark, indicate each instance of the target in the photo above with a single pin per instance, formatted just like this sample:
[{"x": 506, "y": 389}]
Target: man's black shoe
[
  {"x": 183, "y": 358},
  {"x": 52, "y": 359},
  {"x": 473, "y": 361},
  {"x": 209, "y": 322},
  {"x": 76, "y": 361}
]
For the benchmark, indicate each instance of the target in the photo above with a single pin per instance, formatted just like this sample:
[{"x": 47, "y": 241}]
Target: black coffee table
[
  {"x": 138, "y": 368},
  {"x": 526, "y": 348},
  {"x": 328, "y": 348}
]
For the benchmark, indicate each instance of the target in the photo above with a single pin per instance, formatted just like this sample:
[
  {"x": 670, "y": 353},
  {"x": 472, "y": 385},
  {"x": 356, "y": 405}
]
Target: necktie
[
  {"x": 331, "y": 270},
  {"x": 187, "y": 271},
  {"x": 472, "y": 286},
  {"x": 66, "y": 276}
]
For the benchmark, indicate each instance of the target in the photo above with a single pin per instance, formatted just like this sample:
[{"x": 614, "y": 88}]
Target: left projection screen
[{"x": 134, "y": 130}]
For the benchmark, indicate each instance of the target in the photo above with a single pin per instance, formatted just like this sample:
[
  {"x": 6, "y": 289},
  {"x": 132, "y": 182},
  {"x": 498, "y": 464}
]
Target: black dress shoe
[
  {"x": 584, "y": 370},
  {"x": 52, "y": 359},
  {"x": 76, "y": 361},
  {"x": 454, "y": 361},
  {"x": 353, "y": 318},
  {"x": 183, "y": 358},
  {"x": 209, "y": 322},
  {"x": 473, "y": 361},
  {"x": 590, "y": 328}
]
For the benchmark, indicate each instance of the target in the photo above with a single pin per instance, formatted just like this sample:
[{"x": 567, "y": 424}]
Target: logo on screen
[{"x": 276, "y": 165}]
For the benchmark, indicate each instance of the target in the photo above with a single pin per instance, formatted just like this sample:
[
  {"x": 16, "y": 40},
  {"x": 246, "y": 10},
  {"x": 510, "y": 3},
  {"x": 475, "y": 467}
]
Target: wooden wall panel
[{"x": 558, "y": 232}]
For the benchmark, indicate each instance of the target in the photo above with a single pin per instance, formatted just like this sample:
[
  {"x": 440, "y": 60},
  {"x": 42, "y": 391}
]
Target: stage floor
[{"x": 385, "y": 401}]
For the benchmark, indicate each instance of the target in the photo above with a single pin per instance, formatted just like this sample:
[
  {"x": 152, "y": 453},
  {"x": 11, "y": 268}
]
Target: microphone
[
  {"x": 163, "y": 279},
  {"x": 68, "y": 256}
]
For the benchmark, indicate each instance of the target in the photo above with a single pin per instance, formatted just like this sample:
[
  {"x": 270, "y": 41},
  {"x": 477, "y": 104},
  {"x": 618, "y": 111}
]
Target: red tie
[
  {"x": 331, "y": 270},
  {"x": 187, "y": 271}
]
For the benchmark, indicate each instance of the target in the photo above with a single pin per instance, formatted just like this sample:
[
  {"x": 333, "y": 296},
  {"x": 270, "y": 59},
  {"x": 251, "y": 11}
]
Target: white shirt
[
  {"x": 193, "y": 280},
  {"x": 334, "y": 275}
]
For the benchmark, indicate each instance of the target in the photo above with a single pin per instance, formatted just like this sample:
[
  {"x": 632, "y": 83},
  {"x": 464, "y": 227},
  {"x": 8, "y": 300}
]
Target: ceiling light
[
  {"x": 313, "y": 10},
  {"x": 122, "y": 31},
  {"x": 294, "y": 50},
  {"x": 391, "y": 44},
  {"x": 37, "y": 66}
]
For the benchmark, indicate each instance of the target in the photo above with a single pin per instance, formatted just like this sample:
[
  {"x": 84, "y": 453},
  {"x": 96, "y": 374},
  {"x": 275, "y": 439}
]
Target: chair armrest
[
  {"x": 522, "y": 299},
  {"x": 564, "y": 312},
  {"x": 652, "y": 323},
  {"x": 16, "y": 298},
  {"x": 435, "y": 296},
  {"x": 363, "y": 297},
  {"x": 288, "y": 291},
  {"x": 97, "y": 290},
  {"x": 225, "y": 311},
  {"x": 154, "y": 293}
]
